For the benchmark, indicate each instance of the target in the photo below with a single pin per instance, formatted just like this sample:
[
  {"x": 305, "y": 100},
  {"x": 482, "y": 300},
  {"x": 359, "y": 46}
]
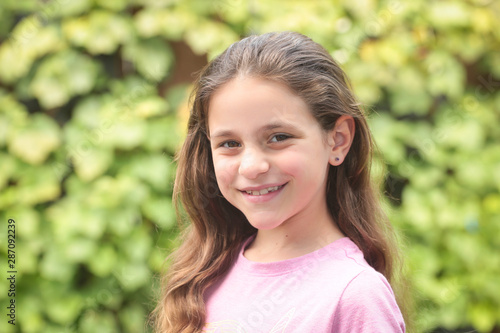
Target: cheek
[
  {"x": 304, "y": 167},
  {"x": 225, "y": 171},
  {"x": 292, "y": 164},
  {"x": 294, "y": 161}
]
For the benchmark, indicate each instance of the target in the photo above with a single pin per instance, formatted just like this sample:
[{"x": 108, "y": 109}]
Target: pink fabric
[{"x": 330, "y": 290}]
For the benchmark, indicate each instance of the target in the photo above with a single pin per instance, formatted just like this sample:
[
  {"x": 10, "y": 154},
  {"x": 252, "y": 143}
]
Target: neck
[{"x": 293, "y": 238}]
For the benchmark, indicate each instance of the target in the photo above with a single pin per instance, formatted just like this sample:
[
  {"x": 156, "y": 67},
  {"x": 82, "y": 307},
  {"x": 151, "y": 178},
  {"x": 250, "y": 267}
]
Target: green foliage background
[{"x": 90, "y": 120}]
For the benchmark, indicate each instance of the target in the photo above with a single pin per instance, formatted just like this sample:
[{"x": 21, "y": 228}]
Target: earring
[{"x": 337, "y": 159}]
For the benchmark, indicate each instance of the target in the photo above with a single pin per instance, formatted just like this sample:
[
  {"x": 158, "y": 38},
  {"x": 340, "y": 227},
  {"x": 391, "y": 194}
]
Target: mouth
[{"x": 264, "y": 190}]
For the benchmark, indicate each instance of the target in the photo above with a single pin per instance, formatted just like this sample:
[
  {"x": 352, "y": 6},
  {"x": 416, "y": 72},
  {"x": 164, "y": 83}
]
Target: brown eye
[
  {"x": 230, "y": 144},
  {"x": 279, "y": 137}
]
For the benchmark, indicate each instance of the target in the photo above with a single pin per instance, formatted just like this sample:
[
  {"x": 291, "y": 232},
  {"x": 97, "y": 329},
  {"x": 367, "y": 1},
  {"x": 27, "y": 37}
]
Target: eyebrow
[{"x": 266, "y": 128}]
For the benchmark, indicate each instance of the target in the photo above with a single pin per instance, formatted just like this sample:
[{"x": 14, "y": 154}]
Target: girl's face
[{"x": 270, "y": 155}]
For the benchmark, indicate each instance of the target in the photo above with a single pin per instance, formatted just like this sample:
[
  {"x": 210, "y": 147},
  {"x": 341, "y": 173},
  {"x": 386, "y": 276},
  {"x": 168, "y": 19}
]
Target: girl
[{"x": 286, "y": 233}]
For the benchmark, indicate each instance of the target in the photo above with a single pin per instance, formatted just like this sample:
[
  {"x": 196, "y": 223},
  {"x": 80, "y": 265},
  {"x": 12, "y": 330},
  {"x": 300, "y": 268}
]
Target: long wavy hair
[{"x": 216, "y": 229}]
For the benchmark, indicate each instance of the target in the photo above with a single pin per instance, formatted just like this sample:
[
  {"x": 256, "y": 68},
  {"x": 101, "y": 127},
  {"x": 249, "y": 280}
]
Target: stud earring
[{"x": 337, "y": 159}]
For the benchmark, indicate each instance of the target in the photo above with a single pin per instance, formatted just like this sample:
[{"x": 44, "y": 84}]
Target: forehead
[{"x": 256, "y": 101}]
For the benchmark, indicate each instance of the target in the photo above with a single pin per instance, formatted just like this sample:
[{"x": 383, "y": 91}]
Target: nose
[{"x": 253, "y": 163}]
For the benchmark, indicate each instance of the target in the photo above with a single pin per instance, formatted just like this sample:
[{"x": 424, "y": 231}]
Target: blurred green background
[{"x": 94, "y": 102}]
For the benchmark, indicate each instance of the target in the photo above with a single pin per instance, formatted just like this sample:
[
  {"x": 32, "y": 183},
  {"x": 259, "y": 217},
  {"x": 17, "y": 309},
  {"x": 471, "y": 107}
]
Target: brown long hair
[{"x": 216, "y": 229}]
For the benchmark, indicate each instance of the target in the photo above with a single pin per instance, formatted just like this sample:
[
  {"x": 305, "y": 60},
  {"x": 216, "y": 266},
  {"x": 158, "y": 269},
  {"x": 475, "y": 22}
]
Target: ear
[{"x": 340, "y": 139}]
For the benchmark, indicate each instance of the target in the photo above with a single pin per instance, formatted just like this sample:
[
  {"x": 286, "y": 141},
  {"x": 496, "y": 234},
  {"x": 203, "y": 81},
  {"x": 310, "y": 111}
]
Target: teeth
[{"x": 265, "y": 190}]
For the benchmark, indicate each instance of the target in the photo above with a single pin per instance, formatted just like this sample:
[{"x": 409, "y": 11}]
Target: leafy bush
[{"x": 90, "y": 119}]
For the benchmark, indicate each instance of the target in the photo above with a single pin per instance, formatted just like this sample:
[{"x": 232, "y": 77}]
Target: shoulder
[
  {"x": 367, "y": 304},
  {"x": 343, "y": 259},
  {"x": 369, "y": 286}
]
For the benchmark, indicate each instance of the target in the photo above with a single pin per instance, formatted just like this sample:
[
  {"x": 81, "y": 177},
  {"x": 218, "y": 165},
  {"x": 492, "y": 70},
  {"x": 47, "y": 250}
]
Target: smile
[{"x": 265, "y": 190}]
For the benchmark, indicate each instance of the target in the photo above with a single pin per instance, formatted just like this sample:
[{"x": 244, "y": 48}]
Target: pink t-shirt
[{"x": 330, "y": 290}]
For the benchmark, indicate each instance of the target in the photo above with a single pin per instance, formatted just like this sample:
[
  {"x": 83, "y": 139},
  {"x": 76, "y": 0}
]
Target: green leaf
[
  {"x": 123, "y": 220},
  {"x": 446, "y": 75},
  {"x": 107, "y": 192},
  {"x": 152, "y": 58},
  {"x": 132, "y": 318},
  {"x": 483, "y": 316},
  {"x": 31, "y": 250},
  {"x": 170, "y": 23},
  {"x": 97, "y": 321},
  {"x": 164, "y": 133},
  {"x": 408, "y": 93},
  {"x": 37, "y": 187},
  {"x": 154, "y": 169},
  {"x": 133, "y": 275},
  {"x": 34, "y": 142},
  {"x": 55, "y": 266},
  {"x": 62, "y": 76},
  {"x": 160, "y": 211},
  {"x": 32, "y": 310},
  {"x": 151, "y": 106},
  {"x": 30, "y": 218},
  {"x": 114, "y": 5},
  {"x": 104, "y": 261},
  {"x": 65, "y": 309},
  {"x": 210, "y": 36},
  {"x": 78, "y": 249},
  {"x": 101, "y": 32},
  {"x": 68, "y": 8},
  {"x": 126, "y": 134},
  {"x": 16, "y": 58},
  {"x": 92, "y": 163},
  {"x": 142, "y": 245},
  {"x": 7, "y": 168},
  {"x": 449, "y": 14},
  {"x": 68, "y": 217}
]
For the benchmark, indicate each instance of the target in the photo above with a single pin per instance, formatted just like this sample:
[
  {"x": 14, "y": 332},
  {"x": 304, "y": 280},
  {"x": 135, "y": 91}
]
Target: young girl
[{"x": 286, "y": 233}]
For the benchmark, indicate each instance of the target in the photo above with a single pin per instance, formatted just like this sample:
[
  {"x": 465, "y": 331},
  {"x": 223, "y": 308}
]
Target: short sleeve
[{"x": 368, "y": 305}]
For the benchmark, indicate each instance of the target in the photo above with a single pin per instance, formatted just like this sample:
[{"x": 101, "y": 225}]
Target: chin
[{"x": 261, "y": 224}]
